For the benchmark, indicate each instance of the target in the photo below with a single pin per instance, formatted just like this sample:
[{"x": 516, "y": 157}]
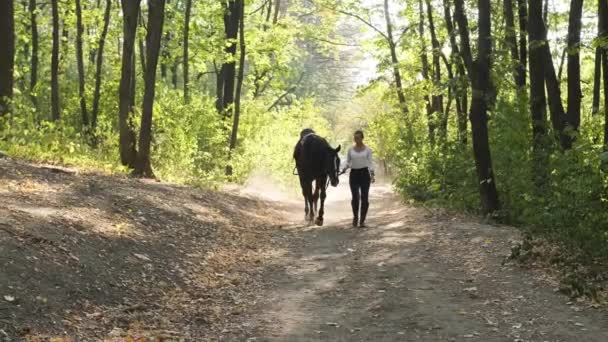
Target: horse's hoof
[{"x": 319, "y": 221}]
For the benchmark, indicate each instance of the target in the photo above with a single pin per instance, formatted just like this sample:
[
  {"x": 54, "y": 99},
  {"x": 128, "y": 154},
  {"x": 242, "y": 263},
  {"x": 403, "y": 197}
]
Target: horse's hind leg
[
  {"x": 306, "y": 209},
  {"x": 321, "y": 184},
  {"x": 308, "y": 205},
  {"x": 315, "y": 196}
]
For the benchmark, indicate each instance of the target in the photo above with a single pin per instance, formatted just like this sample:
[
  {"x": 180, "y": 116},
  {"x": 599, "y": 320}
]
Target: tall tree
[
  {"x": 7, "y": 58},
  {"x": 511, "y": 39},
  {"x": 573, "y": 118},
  {"x": 437, "y": 97},
  {"x": 32, "y": 8},
  {"x": 603, "y": 14},
  {"x": 186, "y": 62},
  {"x": 277, "y": 9},
  {"x": 156, "y": 15},
  {"x": 394, "y": 60},
  {"x": 554, "y": 94},
  {"x": 523, "y": 43},
  {"x": 239, "y": 84},
  {"x": 459, "y": 82},
  {"x": 597, "y": 72},
  {"x": 55, "y": 112},
  {"x": 228, "y": 72},
  {"x": 99, "y": 64},
  {"x": 80, "y": 62},
  {"x": 479, "y": 73},
  {"x": 597, "y": 80},
  {"x": 538, "y": 103},
  {"x": 128, "y": 153},
  {"x": 426, "y": 75}
]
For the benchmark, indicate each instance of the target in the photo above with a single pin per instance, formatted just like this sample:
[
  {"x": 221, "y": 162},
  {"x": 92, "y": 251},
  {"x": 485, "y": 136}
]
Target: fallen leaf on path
[{"x": 142, "y": 257}]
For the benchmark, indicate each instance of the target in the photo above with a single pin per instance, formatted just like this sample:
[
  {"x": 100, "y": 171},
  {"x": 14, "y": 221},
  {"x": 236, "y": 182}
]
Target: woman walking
[{"x": 359, "y": 160}]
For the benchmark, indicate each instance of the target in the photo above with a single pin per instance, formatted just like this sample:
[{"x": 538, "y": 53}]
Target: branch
[
  {"x": 366, "y": 22},
  {"x": 287, "y": 92},
  {"x": 333, "y": 43},
  {"x": 260, "y": 8},
  {"x": 404, "y": 31}
]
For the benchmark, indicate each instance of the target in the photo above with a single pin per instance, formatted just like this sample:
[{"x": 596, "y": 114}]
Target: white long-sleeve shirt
[{"x": 359, "y": 159}]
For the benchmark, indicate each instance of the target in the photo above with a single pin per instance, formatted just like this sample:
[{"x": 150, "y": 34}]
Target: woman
[{"x": 359, "y": 160}]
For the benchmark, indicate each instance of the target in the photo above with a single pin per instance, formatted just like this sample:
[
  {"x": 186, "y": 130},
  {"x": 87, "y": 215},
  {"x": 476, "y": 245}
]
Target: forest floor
[{"x": 99, "y": 257}]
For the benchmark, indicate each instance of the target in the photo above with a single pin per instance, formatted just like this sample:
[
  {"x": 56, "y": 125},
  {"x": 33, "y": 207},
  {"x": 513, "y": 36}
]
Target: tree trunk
[
  {"x": 573, "y": 119},
  {"x": 394, "y": 59},
  {"x": 128, "y": 153},
  {"x": 425, "y": 75},
  {"x": 34, "y": 61},
  {"x": 55, "y": 113},
  {"x": 80, "y": 62},
  {"x": 239, "y": 85},
  {"x": 437, "y": 97},
  {"x": 165, "y": 52},
  {"x": 523, "y": 43},
  {"x": 142, "y": 55},
  {"x": 538, "y": 105},
  {"x": 481, "y": 83},
  {"x": 597, "y": 81},
  {"x": 277, "y": 9},
  {"x": 186, "y": 65},
  {"x": 142, "y": 46},
  {"x": 460, "y": 85},
  {"x": 99, "y": 64},
  {"x": 463, "y": 30},
  {"x": 231, "y": 27},
  {"x": 7, "y": 57},
  {"x": 605, "y": 78},
  {"x": 603, "y": 19},
  {"x": 554, "y": 94},
  {"x": 219, "y": 89},
  {"x": 156, "y": 14},
  {"x": 174, "y": 74},
  {"x": 511, "y": 39}
]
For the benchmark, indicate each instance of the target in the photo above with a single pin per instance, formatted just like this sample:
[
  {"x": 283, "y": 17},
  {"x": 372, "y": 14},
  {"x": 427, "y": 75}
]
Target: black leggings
[{"x": 360, "y": 181}]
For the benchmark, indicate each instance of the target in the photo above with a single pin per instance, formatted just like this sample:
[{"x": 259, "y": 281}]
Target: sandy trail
[{"x": 412, "y": 275}]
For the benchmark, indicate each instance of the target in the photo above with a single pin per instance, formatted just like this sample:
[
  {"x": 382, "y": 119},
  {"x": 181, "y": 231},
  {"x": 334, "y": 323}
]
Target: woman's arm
[
  {"x": 370, "y": 163},
  {"x": 348, "y": 161}
]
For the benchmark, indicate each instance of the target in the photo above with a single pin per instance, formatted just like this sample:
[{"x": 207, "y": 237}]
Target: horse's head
[{"x": 333, "y": 165}]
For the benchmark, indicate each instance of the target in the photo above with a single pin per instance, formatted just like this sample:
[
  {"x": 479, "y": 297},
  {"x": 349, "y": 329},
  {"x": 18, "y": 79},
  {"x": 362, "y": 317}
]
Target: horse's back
[{"x": 309, "y": 156}]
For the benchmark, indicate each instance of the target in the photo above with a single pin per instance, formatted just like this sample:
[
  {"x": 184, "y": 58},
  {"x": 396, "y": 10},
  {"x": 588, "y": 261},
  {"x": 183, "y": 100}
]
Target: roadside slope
[{"x": 105, "y": 257}]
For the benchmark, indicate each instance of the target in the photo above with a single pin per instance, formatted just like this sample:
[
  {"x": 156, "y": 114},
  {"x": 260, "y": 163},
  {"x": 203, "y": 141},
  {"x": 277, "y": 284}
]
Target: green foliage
[
  {"x": 269, "y": 139},
  {"x": 189, "y": 141}
]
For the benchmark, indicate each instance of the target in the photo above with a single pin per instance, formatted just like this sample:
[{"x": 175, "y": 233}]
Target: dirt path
[
  {"x": 91, "y": 257},
  {"x": 411, "y": 276}
]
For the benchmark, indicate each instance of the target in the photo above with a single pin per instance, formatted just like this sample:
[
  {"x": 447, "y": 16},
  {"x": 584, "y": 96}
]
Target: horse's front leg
[{"x": 319, "y": 221}]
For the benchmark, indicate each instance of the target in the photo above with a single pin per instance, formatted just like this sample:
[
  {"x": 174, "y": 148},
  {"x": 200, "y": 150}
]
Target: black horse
[{"x": 315, "y": 160}]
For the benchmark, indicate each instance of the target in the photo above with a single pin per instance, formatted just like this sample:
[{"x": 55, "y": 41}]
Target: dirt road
[
  {"x": 412, "y": 275},
  {"x": 92, "y": 257}
]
